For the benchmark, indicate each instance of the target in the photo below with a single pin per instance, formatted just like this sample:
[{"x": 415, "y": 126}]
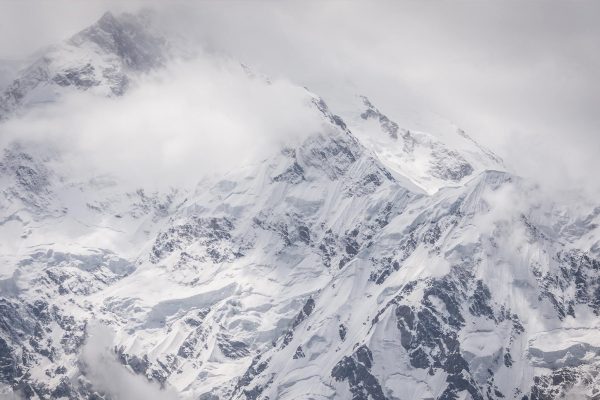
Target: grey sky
[{"x": 521, "y": 77}]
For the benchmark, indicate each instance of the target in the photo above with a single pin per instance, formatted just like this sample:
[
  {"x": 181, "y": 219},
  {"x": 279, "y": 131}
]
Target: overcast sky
[{"x": 521, "y": 77}]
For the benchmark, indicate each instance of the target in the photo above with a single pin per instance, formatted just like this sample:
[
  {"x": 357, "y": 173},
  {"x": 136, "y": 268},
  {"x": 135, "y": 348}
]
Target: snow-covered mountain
[{"x": 382, "y": 257}]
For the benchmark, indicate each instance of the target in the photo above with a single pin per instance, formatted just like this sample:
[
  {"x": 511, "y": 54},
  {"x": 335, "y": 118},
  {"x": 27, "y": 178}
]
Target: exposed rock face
[
  {"x": 128, "y": 37},
  {"x": 388, "y": 126},
  {"x": 356, "y": 370}
]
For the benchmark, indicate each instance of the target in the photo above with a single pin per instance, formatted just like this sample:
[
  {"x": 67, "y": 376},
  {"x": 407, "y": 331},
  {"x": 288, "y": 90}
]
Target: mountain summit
[{"x": 101, "y": 58}]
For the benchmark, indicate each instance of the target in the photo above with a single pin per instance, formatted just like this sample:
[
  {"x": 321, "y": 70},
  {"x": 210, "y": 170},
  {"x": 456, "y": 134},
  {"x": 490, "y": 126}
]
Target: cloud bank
[
  {"x": 199, "y": 117},
  {"x": 520, "y": 77}
]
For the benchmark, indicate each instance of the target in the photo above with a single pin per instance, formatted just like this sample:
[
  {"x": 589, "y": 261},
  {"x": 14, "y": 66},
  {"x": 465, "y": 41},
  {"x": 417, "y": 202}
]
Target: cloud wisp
[
  {"x": 108, "y": 376},
  {"x": 195, "y": 118}
]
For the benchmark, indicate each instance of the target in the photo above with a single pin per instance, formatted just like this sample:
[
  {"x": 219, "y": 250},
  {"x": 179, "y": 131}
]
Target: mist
[
  {"x": 108, "y": 376},
  {"x": 195, "y": 118},
  {"x": 520, "y": 78}
]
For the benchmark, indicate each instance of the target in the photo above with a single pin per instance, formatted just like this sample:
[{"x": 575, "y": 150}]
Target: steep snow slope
[
  {"x": 428, "y": 150},
  {"x": 369, "y": 261},
  {"x": 465, "y": 303},
  {"x": 9, "y": 70}
]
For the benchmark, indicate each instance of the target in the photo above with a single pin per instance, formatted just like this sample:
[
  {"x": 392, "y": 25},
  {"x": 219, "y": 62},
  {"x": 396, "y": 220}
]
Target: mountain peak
[
  {"x": 103, "y": 57},
  {"x": 128, "y": 36},
  {"x": 107, "y": 18}
]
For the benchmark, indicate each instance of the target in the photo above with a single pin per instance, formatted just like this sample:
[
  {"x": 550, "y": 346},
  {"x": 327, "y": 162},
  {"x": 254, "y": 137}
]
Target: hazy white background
[{"x": 520, "y": 77}]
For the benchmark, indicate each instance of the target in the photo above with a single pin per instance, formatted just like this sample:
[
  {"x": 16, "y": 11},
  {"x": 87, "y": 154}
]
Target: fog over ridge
[
  {"x": 519, "y": 77},
  {"x": 194, "y": 118}
]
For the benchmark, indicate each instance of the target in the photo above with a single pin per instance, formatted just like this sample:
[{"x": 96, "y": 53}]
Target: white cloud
[
  {"x": 108, "y": 376},
  {"x": 519, "y": 77},
  {"x": 195, "y": 118}
]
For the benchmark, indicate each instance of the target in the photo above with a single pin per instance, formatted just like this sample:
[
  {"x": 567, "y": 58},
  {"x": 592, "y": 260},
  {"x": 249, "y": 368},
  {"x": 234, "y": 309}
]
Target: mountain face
[
  {"x": 101, "y": 58},
  {"x": 372, "y": 260}
]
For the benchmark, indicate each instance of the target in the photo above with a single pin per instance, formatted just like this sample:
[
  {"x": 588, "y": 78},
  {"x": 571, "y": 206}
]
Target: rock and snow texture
[
  {"x": 427, "y": 150},
  {"x": 100, "y": 58},
  {"x": 373, "y": 260}
]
